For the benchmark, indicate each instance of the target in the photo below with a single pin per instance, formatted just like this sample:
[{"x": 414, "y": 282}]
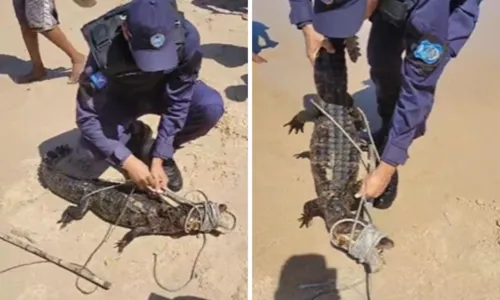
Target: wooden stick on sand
[{"x": 72, "y": 267}]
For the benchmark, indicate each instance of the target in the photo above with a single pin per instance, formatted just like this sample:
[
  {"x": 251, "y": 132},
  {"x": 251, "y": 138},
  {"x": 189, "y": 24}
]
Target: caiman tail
[{"x": 65, "y": 186}]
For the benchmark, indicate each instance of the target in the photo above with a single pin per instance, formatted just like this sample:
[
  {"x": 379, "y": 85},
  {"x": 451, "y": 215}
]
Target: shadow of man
[
  {"x": 78, "y": 164},
  {"x": 14, "y": 67},
  {"x": 154, "y": 296},
  {"x": 306, "y": 269},
  {"x": 238, "y": 93},
  {"x": 235, "y": 7},
  {"x": 259, "y": 31},
  {"x": 230, "y": 56},
  {"x": 366, "y": 99}
]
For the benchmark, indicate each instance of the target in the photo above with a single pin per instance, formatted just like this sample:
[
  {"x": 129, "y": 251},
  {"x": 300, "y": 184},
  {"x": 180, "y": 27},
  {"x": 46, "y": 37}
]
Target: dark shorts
[{"x": 40, "y": 15}]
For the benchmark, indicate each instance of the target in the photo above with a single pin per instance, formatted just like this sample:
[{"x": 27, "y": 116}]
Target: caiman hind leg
[
  {"x": 132, "y": 234},
  {"x": 311, "y": 209},
  {"x": 73, "y": 213}
]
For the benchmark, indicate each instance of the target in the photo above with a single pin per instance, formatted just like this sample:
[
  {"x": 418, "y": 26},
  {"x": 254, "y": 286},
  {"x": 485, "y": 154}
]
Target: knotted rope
[{"x": 209, "y": 215}]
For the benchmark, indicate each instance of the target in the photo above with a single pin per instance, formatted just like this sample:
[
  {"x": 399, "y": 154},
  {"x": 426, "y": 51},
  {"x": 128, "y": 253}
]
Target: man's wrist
[
  {"x": 307, "y": 28},
  {"x": 157, "y": 161},
  {"x": 387, "y": 168},
  {"x": 301, "y": 25}
]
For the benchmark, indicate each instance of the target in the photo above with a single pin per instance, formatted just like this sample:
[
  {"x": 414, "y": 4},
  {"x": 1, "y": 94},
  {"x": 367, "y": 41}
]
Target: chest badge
[
  {"x": 428, "y": 52},
  {"x": 157, "y": 40}
]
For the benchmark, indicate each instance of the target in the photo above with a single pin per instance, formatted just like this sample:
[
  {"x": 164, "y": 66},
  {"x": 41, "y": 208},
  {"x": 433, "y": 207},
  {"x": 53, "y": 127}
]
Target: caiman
[
  {"x": 334, "y": 159},
  {"x": 140, "y": 211}
]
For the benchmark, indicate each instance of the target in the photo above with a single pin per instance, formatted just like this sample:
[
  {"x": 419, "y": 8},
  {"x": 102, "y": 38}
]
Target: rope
[
  {"x": 209, "y": 220},
  {"x": 106, "y": 235},
  {"x": 364, "y": 247}
]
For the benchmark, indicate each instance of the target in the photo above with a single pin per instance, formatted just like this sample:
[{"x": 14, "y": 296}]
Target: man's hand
[
  {"x": 376, "y": 182},
  {"x": 314, "y": 42},
  {"x": 138, "y": 172},
  {"x": 158, "y": 173}
]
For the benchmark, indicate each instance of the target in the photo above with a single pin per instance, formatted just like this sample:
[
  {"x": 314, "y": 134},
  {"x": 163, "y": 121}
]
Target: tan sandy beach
[
  {"x": 40, "y": 116},
  {"x": 446, "y": 219}
]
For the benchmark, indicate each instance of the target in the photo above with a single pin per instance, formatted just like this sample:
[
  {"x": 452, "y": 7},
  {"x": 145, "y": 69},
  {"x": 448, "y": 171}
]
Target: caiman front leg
[
  {"x": 73, "y": 213},
  {"x": 303, "y": 154},
  {"x": 311, "y": 209},
  {"x": 303, "y": 116}
]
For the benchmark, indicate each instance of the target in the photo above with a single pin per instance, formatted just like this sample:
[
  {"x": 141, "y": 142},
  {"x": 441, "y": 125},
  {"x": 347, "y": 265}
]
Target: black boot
[
  {"x": 140, "y": 135},
  {"x": 385, "y": 200},
  {"x": 174, "y": 175}
]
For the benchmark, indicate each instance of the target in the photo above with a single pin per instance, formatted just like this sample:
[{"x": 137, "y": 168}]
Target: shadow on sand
[
  {"x": 259, "y": 31},
  {"x": 223, "y": 7},
  {"x": 154, "y": 296},
  {"x": 364, "y": 99},
  {"x": 81, "y": 165},
  {"x": 307, "y": 270},
  {"x": 14, "y": 67},
  {"x": 230, "y": 56},
  {"x": 367, "y": 101},
  {"x": 238, "y": 93}
]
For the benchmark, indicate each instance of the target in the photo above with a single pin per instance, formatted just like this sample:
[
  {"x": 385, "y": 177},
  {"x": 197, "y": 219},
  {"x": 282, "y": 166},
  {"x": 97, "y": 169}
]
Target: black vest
[
  {"x": 397, "y": 12},
  {"x": 116, "y": 67}
]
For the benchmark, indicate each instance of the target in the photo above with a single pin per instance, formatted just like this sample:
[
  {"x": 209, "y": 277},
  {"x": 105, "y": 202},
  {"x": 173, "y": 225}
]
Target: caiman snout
[{"x": 385, "y": 244}]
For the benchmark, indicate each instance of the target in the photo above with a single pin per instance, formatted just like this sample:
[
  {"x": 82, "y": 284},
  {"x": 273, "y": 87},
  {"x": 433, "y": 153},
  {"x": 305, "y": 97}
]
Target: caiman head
[
  {"x": 342, "y": 237},
  {"x": 342, "y": 233},
  {"x": 193, "y": 225}
]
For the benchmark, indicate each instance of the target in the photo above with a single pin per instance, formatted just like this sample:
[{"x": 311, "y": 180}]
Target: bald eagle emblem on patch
[{"x": 428, "y": 52}]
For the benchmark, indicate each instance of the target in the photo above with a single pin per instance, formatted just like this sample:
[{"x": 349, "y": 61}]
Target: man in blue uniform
[
  {"x": 145, "y": 59},
  {"x": 430, "y": 32}
]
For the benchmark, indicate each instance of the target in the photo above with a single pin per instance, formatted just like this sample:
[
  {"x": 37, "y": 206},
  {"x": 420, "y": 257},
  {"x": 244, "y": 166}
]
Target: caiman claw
[
  {"x": 65, "y": 219},
  {"x": 120, "y": 245},
  {"x": 305, "y": 220},
  {"x": 295, "y": 124}
]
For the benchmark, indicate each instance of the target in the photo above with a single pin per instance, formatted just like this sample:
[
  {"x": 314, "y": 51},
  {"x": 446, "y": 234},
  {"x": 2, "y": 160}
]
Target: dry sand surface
[
  {"x": 39, "y": 116},
  {"x": 446, "y": 220}
]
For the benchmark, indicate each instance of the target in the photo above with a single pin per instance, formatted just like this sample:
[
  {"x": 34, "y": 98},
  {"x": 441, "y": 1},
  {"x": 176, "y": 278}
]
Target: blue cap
[
  {"x": 339, "y": 18},
  {"x": 152, "y": 25}
]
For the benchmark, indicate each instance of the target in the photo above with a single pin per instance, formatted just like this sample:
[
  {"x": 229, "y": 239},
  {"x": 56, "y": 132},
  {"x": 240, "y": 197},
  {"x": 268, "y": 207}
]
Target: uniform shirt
[
  {"x": 177, "y": 98},
  {"x": 429, "y": 20}
]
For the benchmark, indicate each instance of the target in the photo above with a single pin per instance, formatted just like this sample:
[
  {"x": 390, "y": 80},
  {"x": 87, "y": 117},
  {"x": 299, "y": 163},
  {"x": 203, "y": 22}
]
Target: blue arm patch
[
  {"x": 428, "y": 52},
  {"x": 98, "y": 80}
]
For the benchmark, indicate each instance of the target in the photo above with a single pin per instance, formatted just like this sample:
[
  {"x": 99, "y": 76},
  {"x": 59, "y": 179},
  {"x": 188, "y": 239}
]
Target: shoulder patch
[{"x": 428, "y": 52}]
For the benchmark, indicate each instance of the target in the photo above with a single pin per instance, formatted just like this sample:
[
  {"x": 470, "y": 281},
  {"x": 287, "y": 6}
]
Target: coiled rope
[{"x": 210, "y": 219}]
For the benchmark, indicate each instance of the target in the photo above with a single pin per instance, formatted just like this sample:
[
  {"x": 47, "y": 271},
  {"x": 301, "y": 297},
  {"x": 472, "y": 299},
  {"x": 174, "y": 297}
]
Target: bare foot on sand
[
  {"x": 37, "y": 74},
  {"x": 258, "y": 59},
  {"x": 77, "y": 69}
]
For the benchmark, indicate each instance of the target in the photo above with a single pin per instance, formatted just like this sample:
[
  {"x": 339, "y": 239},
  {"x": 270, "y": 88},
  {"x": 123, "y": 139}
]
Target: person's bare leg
[
  {"x": 38, "y": 72},
  {"x": 58, "y": 38}
]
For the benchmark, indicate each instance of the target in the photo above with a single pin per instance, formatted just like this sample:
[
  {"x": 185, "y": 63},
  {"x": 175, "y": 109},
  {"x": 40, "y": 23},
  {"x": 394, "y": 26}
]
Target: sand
[
  {"x": 445, "y": 221},
  {"x": 39, "y": 116}
]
